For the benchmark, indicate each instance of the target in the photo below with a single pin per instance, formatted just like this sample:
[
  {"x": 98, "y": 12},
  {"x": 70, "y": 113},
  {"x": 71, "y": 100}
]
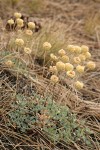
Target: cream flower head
[
  {"x": 19, "y": 42},
  {"x": 9, "y": 63},
  {"x": 46, "y": 46},
  {"x": 80, "y": 69},
  {"x": 61, "y": 52},
  {"x": 82, "y": 57},
  {"x": 79, "y": 85},
  {"x": 68, "y": 67},
  {"x": 71, "y": 48},
  {"x": 91, "y": 65},
  {"x": 84, "y": 48},
  {"x": 77, "y": 60},
  {"x": 65, "y": 58},
  {"x": 10, "y": 21},
  {"x": 27, "y": 50},
  {"x": 60, "y": 66},
  {"x": 71, "y": 74},
  {"x": 54, "y": 79},
  {"x": 17, "y": 15},
  {"x": 31, "y": 25},
  {"x": 19, "y": 22},
  {"x": 53, "y": 57},
  {"x": 28, "y": 32},
  {"x": 77, "y": 49},
  {"x": 87, "y": 55}
]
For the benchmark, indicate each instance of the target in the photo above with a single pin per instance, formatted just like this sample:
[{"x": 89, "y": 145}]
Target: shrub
[{"x": 56, "y": 121}]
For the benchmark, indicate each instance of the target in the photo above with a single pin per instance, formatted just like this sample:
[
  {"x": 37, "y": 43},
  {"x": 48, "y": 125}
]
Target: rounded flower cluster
[
  {"x": 87, "y": 55},
  {"x": 46, "y": 46},
  {"x": 19, "y": 42},
  {"x": 17, "y": 15},
  {"x": 9, "y": 63},
  {"x": 79, "y": 85},
  {"x": 53, "y": 57},
  {"x": 77, "y": 49},
  {"x": 60, "y": 66},
  {"x": 61, "y": 52},
  {"x": 68, "y": 67},
  {"x": 84, "y": 48},
  {"x": 82, "y": 57},
  {"x": 65, "y": 58},
  {"x": 28, "y": 32},
  {"x": 27, "y": 50},
  {"x": 31, "y": 25},
  {"x": 71, "y": 74},
  {"x": 71, "y": 48},
  {"x": 80, "y": 69},
  {"x": 10, "y": 21},
  {"x": 91, "y": 65},
  {"x": 54, "y": 79},
  {"x": 71, "y": 63},
  {"x": 19, "y": 22}
]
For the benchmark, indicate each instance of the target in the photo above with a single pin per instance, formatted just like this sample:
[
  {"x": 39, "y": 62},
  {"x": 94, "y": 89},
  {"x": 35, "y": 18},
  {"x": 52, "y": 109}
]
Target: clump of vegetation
[
  {"x": 20, "y": 53},
  {"x": 43, "y": 113},
  {"x": 70, "y": 63}
]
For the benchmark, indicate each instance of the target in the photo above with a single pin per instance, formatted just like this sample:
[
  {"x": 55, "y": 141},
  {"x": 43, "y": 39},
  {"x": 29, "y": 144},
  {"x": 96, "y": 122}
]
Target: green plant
[{"x": 57, "y": 122}]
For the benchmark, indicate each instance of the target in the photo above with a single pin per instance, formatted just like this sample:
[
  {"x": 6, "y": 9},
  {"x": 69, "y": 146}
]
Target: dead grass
[{"x": 8, "y": 7}]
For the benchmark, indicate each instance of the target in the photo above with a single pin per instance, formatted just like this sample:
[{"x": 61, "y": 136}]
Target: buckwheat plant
[
  {"x": 19, "y": 43},
  {"x": 71, "y": 64}
]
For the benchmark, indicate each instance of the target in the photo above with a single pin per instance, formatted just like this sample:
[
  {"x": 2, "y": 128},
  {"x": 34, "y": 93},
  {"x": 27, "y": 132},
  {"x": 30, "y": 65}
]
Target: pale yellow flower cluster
[
  {"x": 31, "y": 25},
  {"x": 46, "y": 46},
  {"x": 27, "y": 50},
  {"x": 10, "y": 21},
  {"x": 80, "y": 69},
  {"x": 53, "y": 57},
  {"x": 71, "y": 74},
  {"x": 9, "y": 63},
  {"x": 28, "y": 32},
  {"x": 19, "y": 42},
  {"x": 54, "y": 79},
  {"x": 60, "y": 66},
  {"x": 91, "y": 65},
  {"x": 20, "y": 23},
  {"x": 17, "y": 15},
  {"x": 73, "y": 61},
  {"x": 79, "y": 85}
]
